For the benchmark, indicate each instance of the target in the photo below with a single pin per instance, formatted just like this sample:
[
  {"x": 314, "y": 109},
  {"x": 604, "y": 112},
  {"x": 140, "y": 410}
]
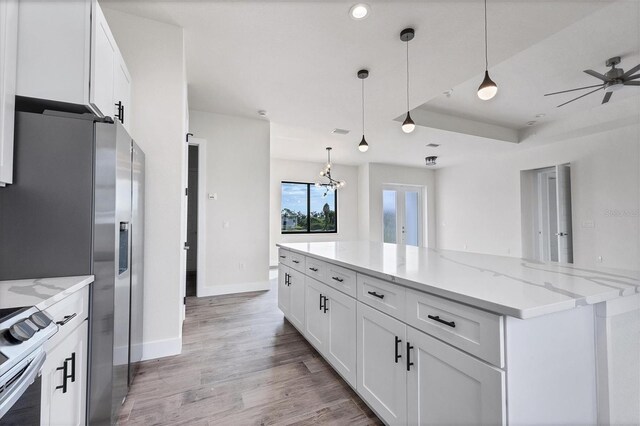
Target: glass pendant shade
[
  {"x": 408, "y": 125},
  {"x": 488, "y": 88},
  {"x": 363, "y": 146}
]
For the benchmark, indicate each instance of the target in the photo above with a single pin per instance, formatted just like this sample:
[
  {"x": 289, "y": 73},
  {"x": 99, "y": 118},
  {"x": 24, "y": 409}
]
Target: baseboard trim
[
  {"x": 161, "y": 348},
  {"x": 234, "y": 288}
]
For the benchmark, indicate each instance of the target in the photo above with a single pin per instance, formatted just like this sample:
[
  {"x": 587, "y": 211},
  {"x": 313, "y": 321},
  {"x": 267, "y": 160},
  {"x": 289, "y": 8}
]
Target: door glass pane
[
  {"x": 411, "y": 228},
  {"x": 390, "y": 216},
  {"x": 322, "y": 209}
]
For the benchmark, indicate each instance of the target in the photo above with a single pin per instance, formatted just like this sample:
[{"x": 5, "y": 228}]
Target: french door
[{"x": 402, "y": 214}]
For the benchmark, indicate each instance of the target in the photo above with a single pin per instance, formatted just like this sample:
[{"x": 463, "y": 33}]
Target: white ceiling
[{"x": 298, "y": 60}]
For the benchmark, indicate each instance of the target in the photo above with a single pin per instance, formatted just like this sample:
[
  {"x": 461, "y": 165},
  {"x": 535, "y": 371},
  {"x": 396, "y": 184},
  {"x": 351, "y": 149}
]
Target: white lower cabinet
[
  {"x": 331, "y": 327},
  {"x": 382, "y": 375},
  {"x": 64, "y": 377},
  {"x": 447, "y": 386},
  {"x": 291, "y": 295}
]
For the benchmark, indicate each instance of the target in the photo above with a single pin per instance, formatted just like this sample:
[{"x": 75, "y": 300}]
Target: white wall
[
  {"x": 479, "y": 210},
  {"x": 237, "y": 223},
  {"x": 381, "y": 174},
  {"x": 154, "y": 54},
  {"x": 302, "y": 171}
]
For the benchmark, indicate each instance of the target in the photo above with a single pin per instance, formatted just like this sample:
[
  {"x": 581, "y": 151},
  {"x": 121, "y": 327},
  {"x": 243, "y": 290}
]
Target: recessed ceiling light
[
  {"x": 433, "y": 145},
  {"x": 540, "y": 115},
  {"x": 340, "y": 131},
  {"x": 531, "y": 123},
  {"x": 262, "y": 113},
  {"x": 448, "y": 93},
  {"x": 359, "y": 11}
]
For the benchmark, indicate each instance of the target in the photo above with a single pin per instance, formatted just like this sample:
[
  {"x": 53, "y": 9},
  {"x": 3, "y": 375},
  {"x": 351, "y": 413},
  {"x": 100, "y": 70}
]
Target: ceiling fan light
[
  {"x": 408, "y": 125},
  {"x": 488, "y": 88},
  {"x": 363, "y": 146}
]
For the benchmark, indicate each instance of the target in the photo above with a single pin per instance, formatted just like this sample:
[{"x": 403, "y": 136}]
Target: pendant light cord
[
  {"x": 407, "y": 75},
  {"x": 486, "y": 49},
  {"x": 363, "y": 107}
]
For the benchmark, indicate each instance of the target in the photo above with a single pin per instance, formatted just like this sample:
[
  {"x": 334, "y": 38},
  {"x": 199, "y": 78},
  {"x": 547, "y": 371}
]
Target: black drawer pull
[
  {"x": 66, "y": 319},
  {"x": 313, "y": 269},
  {"x": 283, "y": 257},
  {"x": 437, "y": 318},
  {"x": 337, "y": 279},
  {"x": 398, "y": 355},
  {"x": 326, "y": 308},
  {"x": 409, "y": 363},
  {"x": 295, "y": 261},
  {"x": 72, "y": 360},
  {"x": 63, "y": 386},
  {"x": 321, "y": 297},
  {"x": 374, "y": 294}
]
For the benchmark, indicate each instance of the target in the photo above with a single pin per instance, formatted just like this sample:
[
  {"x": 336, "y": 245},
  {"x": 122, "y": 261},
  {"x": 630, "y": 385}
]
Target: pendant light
[
  {"x": 407, "y": 35},
  {"x": 333, "y": 184},
  {"x": 363, "y": 146},
  {"x": 488, "y": 88}
]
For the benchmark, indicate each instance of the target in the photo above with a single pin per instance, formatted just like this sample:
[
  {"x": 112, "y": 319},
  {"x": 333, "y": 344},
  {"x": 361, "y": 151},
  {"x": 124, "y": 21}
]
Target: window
[{"x": 307, "y": 209}]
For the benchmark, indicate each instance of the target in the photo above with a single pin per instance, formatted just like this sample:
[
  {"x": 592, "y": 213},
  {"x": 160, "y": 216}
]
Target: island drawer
[
  {"x": 382, "y": 295},
  {"x": 296, "y": 261},
  {"x": 315, "y": 268},
  {"x": 477, "y": 332},
  {"x": 69, "y": 314},
  {"x": 342, "y": 279},
  {"x": 284, "y": 257}
]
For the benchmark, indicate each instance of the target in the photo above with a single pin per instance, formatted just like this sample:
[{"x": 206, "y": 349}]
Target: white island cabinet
[
  {"x": 67, "y": 54},
  {"x": 440, "y": 337}
]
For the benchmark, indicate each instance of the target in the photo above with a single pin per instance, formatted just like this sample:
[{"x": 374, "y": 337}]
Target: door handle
[
  {"x": 66, "y": 319},
  {"x": 562, "y": 234},
  {"x": 313, "y": 269},
  {"x": 295, "y": 261},
  {"x": 337, "y": 279},
  {"x": 409, "y": 363},
  {"x": 374, "y": 294},
  {"x": 72, "y": 360},
  {"x": 326, "y": 308},
  {"x": 440, "y": 320},
  {"x": 321, "y": 296},
  {"x": 286, "y": 279},
  {"x": 398, "y": 355},
  {"x": 63, "y": 386}
]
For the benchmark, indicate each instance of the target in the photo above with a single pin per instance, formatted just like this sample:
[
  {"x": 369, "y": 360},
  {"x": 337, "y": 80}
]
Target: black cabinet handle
[
  {"x": 295, "y": 261},
  {"x": 283, "y": 257},
  {"x": 313, "y": 269},
  {"x": 440, "y": 320},
  {"x": 326, "y": 308},
  {"x": 409, "y": 363},
  {"x": 66, "y": 319},
  {"x": 374, "y": 294},
  {"x": 337, "y": 279},
  {"x": 72, "y": 360},
  {"x": 63, "y": 386},
  {"x": 321, "y": 296},
  {"x": 122, "y": 115},
  {"x": 398, "y": 355}
]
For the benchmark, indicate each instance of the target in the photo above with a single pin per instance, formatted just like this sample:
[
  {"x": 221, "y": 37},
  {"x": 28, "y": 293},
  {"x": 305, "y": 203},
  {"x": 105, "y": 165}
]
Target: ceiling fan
[{"x": 613, "y": 80}]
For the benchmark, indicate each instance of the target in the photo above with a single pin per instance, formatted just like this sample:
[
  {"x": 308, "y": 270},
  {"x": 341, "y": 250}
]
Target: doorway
[
  {"x": 546, "y": 220},
  {"x": 402, "y": 215},
  {"x": 192, "y": 221}
]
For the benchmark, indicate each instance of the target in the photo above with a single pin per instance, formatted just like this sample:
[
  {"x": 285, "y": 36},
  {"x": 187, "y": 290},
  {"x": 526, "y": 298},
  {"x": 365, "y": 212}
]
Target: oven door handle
[{"x": 13, "y": 394}]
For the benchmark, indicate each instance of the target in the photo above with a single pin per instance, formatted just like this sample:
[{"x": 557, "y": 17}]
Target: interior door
[
  {"x": 402, "y": 215},
  {"x": 296, "y": 299},
  {"x": 341, "y": 338},
  {"x": 382, "y": 375},
  {"x": 447, "y": 386},
  {"x": 564, "y": 228}
]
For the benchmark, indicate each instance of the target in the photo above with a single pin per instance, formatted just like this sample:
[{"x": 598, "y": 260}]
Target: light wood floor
[{"x": 242, "y": 363}]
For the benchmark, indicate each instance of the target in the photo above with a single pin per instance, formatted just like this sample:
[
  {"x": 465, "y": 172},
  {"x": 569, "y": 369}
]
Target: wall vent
[
  {"x": 430, "y": 161},
  {"x": 339, "y": 131}
]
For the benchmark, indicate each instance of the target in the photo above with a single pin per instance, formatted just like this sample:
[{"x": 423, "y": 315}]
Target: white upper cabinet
[
  {"x": 67, "y": 53},
  {"x": 8, "y": 57}
]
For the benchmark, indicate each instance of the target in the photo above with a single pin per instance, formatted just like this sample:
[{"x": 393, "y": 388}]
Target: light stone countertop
[
  {"x": 504, "y": 285},
  {"x": 40, "y": 292}
]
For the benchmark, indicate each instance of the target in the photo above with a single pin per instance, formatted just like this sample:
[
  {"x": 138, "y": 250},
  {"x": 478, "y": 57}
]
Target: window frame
[{"x": 308, "y": 231}]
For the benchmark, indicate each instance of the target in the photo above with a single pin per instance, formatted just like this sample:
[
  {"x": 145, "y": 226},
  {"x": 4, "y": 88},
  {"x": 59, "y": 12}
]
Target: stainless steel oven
[{"x": 22, "y": 336}]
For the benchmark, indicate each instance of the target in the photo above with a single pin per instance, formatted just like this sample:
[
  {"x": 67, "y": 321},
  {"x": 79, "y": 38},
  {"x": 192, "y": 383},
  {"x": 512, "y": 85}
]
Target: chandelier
[{"x": 332, "y": 184}]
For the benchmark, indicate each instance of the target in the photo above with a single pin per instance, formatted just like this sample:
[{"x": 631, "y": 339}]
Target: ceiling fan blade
[
  {"x": 573, "y": 90},
  {"x": 633, "y": 77},
  {"x": 632, "y": 83},
  {"x": 631, "y": 71},
  {"x": 596, "y": 75},
  {"x": 606, "y": 98},
  {"x": 581, "y": 96}
]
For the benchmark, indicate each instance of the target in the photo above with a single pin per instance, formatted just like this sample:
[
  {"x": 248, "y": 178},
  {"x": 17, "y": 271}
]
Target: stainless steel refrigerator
[{"x": 76, "y": 207}]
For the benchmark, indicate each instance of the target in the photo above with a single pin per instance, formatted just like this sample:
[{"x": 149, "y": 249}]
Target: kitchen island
[{"x": 437, "y": 336}]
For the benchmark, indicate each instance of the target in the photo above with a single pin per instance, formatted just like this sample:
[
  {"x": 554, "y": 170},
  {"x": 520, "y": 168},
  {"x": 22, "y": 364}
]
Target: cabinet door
[
  {"x": 104, "y": 53},
  {"x": 8, "y": 65},
  {"x": 340, "y": 349},
  {"x": 296, "y": 299},
  {"x": 382, "y": 370},
  {"x": 447, "y": 386},
  {"x": 283, "y": 289},
  {"x": 315, "y": 328},
  {"x": 66, "y": 406},
  {"x": 122, "y": 92}
]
